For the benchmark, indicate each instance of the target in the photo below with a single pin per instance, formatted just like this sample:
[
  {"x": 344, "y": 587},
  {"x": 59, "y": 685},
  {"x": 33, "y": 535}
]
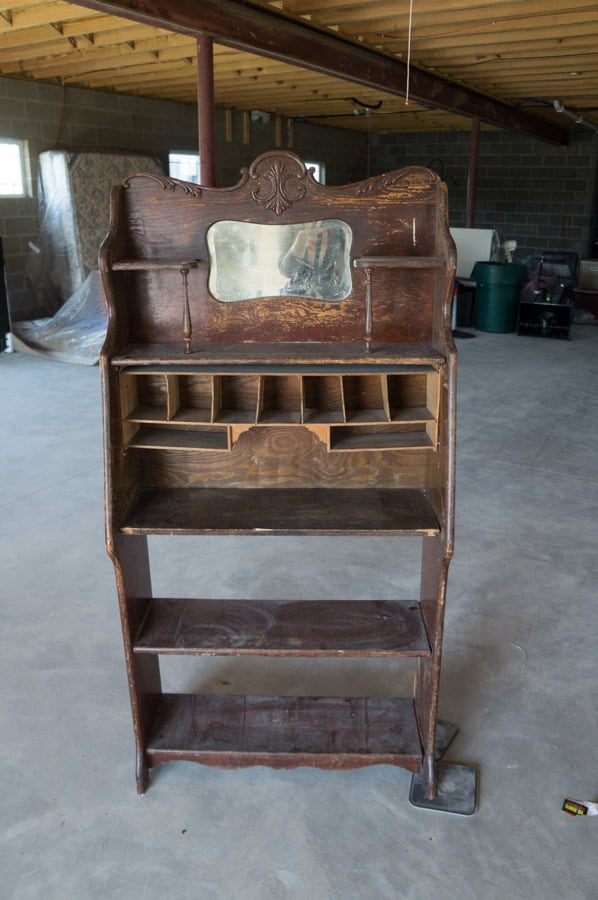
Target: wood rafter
[
  {"x": 261, "y": 30},
  {"x": 501, "y": 62}
]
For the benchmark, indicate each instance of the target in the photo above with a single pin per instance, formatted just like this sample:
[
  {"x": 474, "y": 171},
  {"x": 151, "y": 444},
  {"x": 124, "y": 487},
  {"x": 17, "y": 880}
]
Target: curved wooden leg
[{"x": 141, "y": 773}]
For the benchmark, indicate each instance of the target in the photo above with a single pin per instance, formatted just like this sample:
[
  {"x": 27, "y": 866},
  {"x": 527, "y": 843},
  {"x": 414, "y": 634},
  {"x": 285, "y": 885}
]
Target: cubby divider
[{"x": 173, "y": 398}]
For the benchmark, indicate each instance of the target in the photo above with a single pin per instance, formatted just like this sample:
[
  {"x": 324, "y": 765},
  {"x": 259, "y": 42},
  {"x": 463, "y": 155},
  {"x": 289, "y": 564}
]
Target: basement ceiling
[{"x": 524, "y": 53}]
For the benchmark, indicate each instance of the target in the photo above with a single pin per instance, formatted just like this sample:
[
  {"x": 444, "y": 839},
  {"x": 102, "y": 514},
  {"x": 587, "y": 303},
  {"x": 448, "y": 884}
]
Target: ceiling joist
[{"x": 263, "y": 31}]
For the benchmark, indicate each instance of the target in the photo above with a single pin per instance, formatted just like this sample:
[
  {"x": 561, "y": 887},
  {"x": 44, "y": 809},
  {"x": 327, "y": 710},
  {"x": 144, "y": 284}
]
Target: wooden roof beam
[{"x": 268, "y": 33}]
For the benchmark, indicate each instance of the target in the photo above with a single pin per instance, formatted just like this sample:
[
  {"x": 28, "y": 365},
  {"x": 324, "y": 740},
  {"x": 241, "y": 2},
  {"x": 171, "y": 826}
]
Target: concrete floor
[{"x": 519, "y": 675}]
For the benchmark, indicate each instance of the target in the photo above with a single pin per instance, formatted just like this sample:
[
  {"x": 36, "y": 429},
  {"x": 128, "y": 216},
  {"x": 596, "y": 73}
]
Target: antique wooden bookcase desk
[{"x": 279, "y": 361}]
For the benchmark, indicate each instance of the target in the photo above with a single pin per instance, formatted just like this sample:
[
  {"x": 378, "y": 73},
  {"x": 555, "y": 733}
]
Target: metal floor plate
[{"x": 456, "y": 793}]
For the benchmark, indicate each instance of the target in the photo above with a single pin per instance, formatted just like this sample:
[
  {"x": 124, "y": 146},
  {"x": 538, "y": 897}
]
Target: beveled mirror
[{"x": 308, "y": 259}]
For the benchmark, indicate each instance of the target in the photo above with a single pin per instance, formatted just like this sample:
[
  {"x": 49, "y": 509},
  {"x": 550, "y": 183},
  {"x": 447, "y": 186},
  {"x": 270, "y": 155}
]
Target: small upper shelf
[
  {"x": 398, "y": 262},
  {"x": 152, "y": 265}
]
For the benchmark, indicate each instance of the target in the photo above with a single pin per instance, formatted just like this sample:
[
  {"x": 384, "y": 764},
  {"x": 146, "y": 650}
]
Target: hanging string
[
  {"x": 408, "y": 53},
  {"x": 367, "y": 113}
]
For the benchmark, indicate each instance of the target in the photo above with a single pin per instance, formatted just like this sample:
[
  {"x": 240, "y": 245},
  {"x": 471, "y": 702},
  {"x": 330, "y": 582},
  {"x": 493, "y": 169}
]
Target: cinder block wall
[
  {"x": 542, "y": 196},
  {"x": 50, "y": 117}
]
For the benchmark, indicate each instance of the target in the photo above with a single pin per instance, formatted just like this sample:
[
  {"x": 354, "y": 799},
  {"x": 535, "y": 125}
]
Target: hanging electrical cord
[
  {"x": 408, "y": 53},
  {"x": 364, "y": 104}
]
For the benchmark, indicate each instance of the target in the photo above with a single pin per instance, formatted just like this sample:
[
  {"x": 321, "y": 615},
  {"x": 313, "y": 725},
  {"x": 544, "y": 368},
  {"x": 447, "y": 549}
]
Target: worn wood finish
[
  {"x": 283, "y": 457},
  {"x": 281, "y": 356},
  {"x": 283, "y": 193},
  {"x": 133, "y": 580},
  {"x": 285, "y": 732},
  {"x": 283, "y": 628},
  {"x": 280, "y": 416},
  {"x": 281, "y": 511}
]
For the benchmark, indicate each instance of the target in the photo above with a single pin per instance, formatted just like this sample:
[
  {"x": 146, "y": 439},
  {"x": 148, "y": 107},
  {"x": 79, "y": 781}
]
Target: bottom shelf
[{"x": 285, "y": 732}]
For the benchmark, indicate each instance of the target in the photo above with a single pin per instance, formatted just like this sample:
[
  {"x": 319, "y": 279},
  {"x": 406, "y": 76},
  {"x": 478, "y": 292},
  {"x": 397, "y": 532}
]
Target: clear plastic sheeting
[
  {"x": 77, "y": 331},
  {"x": 74, "y": 195},
  {"x": 75, "y": 191}
]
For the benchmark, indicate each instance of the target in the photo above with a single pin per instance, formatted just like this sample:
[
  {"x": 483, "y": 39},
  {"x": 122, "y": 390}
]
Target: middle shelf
[
  {"x": 329, "y": 511},
  {"x": 283, "y": 628}
]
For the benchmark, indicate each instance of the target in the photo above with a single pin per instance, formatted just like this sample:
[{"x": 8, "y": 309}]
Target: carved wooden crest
[{"x": 279, "y": 181}]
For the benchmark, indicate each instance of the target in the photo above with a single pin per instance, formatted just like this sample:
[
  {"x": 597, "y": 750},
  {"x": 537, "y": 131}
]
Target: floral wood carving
[
  {"x": 279, "y": 182},
  {"x": 412, "y": 175},
  {"x": 168, "y": 184}
]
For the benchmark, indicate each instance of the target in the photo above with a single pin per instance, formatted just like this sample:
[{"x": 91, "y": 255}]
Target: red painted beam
[
  {"x": 205, "y": 110},
  {"x": 267, "y": 33}
]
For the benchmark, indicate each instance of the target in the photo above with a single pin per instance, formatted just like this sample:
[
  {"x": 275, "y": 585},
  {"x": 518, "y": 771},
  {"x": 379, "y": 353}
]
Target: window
[
  {"x": 15, "y": 177},
  {"x": 184, "y": 166}
]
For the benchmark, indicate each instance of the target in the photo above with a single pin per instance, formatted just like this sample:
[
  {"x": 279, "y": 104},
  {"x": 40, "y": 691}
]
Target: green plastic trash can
[{"x": 498, "y": 287}]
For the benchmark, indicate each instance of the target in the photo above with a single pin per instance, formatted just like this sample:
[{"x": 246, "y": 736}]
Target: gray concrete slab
[{"x": 519, "y": 674}]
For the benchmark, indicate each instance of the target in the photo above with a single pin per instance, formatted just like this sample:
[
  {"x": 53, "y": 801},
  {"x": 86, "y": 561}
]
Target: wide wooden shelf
[
  {"x": 283, "y": 628},
  {"x": 285, "y": 732},
  {"x": 328, "y": 511},
  {"x": 280, "y": 354}
]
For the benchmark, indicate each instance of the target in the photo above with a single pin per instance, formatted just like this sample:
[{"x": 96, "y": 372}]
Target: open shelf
[
  {"x": 323, "y": 399},
  {"x": 280, "y": 400},
  {"x": 148, "y": 438},
  {"x": 364, "y": 398},
  {"x": 381, "y": 437},
  {"x": 281, "y": 511},
  {"x": 285, "y": 732},
  {"x": 283, "y": 628}
]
